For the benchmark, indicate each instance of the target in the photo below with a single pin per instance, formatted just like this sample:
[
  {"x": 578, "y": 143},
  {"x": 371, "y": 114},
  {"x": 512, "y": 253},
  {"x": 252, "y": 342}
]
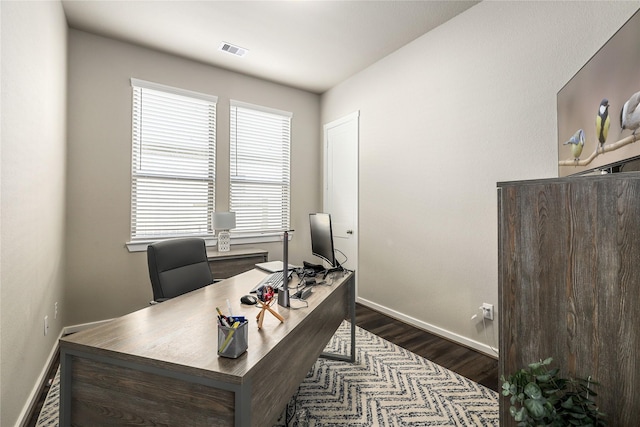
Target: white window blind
[
  {"x": 173, "y": 162},
  {"x": 259, "y": 165}
]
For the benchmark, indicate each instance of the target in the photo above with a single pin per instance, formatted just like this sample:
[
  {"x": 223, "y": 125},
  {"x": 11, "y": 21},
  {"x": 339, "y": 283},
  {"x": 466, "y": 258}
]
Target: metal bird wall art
[
  {"x": 630, "y": 113},
  {"x": 603, "y": 122},
  {"x": 577, "y": 144},
  {"x": 629, "y": 119},
  {"x": 603, "y": 99}
]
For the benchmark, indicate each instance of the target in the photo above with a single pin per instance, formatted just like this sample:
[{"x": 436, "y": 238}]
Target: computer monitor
[{"x": 322, "y": 238}]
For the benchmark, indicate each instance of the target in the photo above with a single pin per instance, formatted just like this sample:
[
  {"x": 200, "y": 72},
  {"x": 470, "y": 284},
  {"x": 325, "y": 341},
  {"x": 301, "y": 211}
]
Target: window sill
[{"x": 211, "y": 242}]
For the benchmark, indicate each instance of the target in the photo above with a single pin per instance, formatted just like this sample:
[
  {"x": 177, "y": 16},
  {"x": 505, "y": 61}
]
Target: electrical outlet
[
  {"x": 46, "y": 325},
  {"x": 487, "y": 310},
  {"x": 55, "y": 310}
]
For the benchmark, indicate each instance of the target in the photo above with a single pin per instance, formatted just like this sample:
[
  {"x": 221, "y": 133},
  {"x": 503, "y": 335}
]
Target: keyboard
[{"x": 274, "y": 280}]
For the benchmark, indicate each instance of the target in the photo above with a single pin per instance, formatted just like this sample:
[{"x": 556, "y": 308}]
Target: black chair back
[{"x": 177, "y": 266}]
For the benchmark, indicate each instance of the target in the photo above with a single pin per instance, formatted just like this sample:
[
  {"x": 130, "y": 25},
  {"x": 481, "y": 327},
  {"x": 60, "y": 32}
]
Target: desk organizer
[{"x": 232, "y": 342}]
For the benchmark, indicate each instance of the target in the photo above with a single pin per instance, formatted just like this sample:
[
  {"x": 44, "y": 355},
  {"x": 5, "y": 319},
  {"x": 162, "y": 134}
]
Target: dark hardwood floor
[{"x": 467, "y": 362}]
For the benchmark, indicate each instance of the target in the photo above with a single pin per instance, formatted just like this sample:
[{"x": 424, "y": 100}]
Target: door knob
[{"x": 349, "y": 231}]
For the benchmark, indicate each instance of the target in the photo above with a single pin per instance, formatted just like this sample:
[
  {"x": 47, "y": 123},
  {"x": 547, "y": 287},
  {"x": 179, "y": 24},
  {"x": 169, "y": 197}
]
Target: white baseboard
[{"x": 459, "y": 339}]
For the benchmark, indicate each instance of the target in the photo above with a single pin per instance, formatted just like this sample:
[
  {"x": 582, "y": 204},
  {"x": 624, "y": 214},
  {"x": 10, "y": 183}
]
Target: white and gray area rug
[{"x": 388, "y": 386}]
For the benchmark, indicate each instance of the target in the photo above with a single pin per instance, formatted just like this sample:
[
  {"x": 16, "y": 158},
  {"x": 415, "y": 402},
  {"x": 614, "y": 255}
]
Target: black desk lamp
[{"x": 283, "y": 294}]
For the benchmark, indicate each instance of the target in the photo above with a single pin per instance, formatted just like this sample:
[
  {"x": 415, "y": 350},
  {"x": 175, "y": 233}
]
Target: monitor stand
[
  {"x": 321, "y": 269},
  {"x": 331, "y": 270},
  {"x": 314, "y": 267}
]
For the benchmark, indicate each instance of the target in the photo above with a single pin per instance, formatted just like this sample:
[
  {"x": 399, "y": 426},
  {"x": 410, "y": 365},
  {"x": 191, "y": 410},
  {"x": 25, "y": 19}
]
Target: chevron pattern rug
[{"x": 388, "y": 386}]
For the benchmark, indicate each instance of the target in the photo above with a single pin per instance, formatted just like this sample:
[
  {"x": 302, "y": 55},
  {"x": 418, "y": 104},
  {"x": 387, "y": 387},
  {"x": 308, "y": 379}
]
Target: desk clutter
[
  {"x": 233, "y": 335},
  {"x": 233, "y": 330}
]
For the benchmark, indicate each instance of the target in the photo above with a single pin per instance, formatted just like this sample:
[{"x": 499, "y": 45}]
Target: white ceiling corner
[{"x": 311, "y": 45}]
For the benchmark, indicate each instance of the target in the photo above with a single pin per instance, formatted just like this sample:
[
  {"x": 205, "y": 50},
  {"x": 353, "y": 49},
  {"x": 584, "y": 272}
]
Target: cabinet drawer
[{"x": 224, "y": 265}]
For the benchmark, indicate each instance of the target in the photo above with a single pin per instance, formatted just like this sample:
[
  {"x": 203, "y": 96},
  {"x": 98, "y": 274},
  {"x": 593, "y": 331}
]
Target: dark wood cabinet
[
  {"x": 238, "y": 260},
  {"x": 569, "y": 283}
]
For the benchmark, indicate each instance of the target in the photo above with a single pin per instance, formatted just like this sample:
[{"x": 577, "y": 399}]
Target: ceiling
[{"x": 311, "y": 45}]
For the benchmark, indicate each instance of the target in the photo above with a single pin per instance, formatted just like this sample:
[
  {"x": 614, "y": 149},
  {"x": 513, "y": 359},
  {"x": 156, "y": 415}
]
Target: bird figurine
[
  {"x": 603, "y": 121},
  {"x": 630, "y": 114},
  {"x": 577, "y": 143}
]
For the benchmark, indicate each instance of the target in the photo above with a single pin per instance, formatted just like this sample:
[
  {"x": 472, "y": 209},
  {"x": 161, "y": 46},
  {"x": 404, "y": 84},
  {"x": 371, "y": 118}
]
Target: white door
[{"x": 340, "y": 195}]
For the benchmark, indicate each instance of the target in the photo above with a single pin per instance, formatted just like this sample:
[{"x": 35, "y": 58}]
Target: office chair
[{"x": 177, "y": 266}]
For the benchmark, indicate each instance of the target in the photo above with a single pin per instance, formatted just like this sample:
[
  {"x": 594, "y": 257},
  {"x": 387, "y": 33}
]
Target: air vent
[{"x": 233, "y": 50}]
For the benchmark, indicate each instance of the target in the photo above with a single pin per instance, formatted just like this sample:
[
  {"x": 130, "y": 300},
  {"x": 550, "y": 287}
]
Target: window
[
  {"x": 173, "y": 162},
  {"x": 259, "y": 166}
]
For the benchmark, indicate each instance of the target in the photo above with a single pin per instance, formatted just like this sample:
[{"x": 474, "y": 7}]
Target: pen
[{"x": 229, "y": 307}]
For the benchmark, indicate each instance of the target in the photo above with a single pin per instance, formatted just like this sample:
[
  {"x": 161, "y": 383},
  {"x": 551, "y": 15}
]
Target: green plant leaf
[
  {"x": 567, "y": 404},
  {"x": 578, "y": 416},
  {"x": 535, "y": 365},
  {"x": 536, "y": 408},
  {"x": 543, "y": 378},
  {"x": 520, "y": 415},
  {"x": 551, "y": 391},
  {"x": 533, "y": 391}
]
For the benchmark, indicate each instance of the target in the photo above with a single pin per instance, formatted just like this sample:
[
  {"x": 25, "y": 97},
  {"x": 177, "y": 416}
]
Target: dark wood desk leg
[
  {"x": 65, "y": 388},
  {"x": 351, "y": 307},
  {"x": 243, "y": 405}
]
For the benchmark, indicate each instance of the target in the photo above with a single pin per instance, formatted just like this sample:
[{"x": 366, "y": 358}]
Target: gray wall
[
  {"x": 104, "y": 280},
  {"x": 443, "y": 119},
  {"x": 34, "y": 56}
]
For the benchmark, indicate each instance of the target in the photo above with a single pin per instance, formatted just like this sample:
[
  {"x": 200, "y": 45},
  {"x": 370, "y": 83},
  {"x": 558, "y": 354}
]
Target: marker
[{"x": 222, "y": 318}]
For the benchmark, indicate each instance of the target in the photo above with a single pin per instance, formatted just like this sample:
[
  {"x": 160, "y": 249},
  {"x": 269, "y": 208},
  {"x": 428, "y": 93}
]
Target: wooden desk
[
  {"x": 238, "y": 260},
  {"x": 159, "y": 365}
]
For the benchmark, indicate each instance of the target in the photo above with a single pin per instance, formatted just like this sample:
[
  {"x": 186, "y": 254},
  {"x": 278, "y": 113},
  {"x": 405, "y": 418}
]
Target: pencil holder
[{"x": 232, "y": 342}]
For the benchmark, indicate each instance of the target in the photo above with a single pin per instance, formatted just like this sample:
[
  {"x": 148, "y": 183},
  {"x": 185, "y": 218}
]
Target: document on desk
[{"x": 273, "y": 266}]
